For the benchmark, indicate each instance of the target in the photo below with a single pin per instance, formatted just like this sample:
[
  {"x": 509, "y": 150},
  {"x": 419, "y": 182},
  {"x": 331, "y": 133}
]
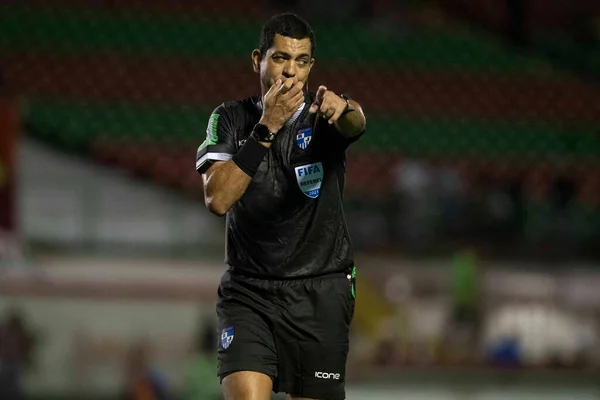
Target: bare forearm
[
  {"x": 352, "y": 123},
  {"x": 224, "y": 185}
]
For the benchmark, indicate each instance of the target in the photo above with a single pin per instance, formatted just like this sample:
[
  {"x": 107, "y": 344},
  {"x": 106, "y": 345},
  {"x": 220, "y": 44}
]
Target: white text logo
[{"x": 327, "y": 375}]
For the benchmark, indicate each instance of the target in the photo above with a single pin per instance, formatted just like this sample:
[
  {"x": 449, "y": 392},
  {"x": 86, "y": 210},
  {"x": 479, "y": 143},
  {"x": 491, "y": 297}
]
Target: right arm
[
  {"x": 224, "y": 185},
  {"x": 224, "y": 181},
  {"x": 224, "y": 175}
]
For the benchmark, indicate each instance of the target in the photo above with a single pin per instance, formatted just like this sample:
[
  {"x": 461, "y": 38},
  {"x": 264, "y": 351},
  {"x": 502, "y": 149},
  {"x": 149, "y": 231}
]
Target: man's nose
[{"x": 289, "y": 71}]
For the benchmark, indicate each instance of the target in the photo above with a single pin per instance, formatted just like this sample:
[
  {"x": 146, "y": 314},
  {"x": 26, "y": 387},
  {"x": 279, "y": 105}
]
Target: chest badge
[
  {"x": 303, "y": 138},
  {"x": 310, "y": 178}
]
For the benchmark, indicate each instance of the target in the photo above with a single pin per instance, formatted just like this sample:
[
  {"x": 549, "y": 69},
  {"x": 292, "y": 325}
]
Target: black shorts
[{"x": 296, "y": 331}]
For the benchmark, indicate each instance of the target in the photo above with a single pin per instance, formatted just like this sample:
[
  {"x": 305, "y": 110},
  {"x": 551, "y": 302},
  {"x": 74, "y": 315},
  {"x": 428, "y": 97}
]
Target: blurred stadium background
[{"x": 474, "y": 199}]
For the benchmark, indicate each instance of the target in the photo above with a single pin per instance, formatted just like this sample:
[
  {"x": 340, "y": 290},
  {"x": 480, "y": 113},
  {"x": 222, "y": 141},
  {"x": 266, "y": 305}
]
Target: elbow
[
  {"x": 217, "y": 201},
  {"x": 216, "y": 207}
]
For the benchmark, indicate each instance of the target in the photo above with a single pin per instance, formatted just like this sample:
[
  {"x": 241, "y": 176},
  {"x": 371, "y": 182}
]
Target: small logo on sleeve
[{"x": 227, "y": 337}]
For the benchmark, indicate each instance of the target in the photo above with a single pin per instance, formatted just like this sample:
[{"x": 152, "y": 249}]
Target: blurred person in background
[
  {"x": 463, "y": 334},
  {"x": 200, "y": 382},
  {"x": 414, "y": 204},
  {"x": 275, "y": 164},
  {"x": 16, "y": 350},
  {"x": 143, "y": 381}
]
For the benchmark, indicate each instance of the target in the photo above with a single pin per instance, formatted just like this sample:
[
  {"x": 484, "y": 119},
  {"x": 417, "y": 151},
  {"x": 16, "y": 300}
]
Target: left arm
[
  {"x": 352, "y": 122},
  {"x": 347, "y": 117}
]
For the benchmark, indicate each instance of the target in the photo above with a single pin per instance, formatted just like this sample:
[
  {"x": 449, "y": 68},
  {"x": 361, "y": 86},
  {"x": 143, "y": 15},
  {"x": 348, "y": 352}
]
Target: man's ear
[{"x": 256, "y": 58}]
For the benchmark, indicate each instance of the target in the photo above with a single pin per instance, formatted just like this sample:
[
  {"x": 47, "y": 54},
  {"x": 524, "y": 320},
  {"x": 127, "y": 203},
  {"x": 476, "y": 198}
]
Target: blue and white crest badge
[
  {"x": 227, "y": 337},
  {"x": 310, "y": 178},
  {"x": 303, "y": 138}
]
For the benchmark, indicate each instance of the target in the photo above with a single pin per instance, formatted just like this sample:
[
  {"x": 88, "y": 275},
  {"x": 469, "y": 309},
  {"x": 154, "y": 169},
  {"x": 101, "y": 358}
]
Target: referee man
[{"x": 274, "y": 164}]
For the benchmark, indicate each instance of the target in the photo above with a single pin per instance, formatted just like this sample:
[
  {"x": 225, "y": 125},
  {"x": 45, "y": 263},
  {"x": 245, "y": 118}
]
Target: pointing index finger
[{"x": 321, "y": 94}]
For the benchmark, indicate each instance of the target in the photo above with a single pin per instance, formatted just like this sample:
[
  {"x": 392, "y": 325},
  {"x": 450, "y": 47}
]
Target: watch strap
[
  {"x": 262, "y": 133},
  {"x": 348, "y": 108}
]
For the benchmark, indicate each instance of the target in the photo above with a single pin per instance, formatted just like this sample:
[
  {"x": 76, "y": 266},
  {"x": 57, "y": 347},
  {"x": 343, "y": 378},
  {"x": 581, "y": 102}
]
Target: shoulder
[{"x": 238, "y": 107}]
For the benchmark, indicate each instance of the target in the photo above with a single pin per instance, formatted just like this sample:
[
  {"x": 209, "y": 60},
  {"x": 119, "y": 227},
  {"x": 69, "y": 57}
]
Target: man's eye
[{"x": 302, "y": 62}]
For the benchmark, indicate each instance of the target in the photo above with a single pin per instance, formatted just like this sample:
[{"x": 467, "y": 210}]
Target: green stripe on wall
[
  {"x": 484, "y": 138},
  {"x": 77, "y": 125},
  {"x": 79, "y": 30}
]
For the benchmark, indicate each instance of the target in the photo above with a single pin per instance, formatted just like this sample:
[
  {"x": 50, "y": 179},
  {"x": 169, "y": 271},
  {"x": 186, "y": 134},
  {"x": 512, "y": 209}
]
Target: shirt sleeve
[
  {"x": 219, "y": 144},
  {"x": 338, "y": 141}
]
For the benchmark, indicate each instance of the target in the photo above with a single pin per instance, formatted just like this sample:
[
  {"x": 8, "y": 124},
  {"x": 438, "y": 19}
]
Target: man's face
[{"x": 286, "y": 58}]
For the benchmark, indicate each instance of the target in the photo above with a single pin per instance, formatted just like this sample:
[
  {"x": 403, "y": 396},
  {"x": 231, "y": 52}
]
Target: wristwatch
[{"x": 262, "y": 133}]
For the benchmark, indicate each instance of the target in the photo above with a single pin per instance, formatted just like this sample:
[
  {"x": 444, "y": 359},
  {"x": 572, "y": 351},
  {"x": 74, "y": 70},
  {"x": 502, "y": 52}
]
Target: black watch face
[{"x": 263, "y": 134}]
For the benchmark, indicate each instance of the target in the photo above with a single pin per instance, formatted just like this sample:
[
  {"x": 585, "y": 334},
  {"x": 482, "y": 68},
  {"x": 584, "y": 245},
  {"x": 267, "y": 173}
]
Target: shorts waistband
[{"x": 327, "y": 275}]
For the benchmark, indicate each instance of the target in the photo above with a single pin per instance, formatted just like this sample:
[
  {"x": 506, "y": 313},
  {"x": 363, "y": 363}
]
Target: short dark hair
[{"x": 289, "y": 25}]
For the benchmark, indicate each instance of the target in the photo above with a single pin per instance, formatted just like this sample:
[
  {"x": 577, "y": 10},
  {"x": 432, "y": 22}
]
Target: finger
[
  {"x": 295, "y": 96},
  {"x": 274, "y": 87},
  {"x": 272, "y": 92},
  {"x": 320, "y": 94},
  {"x": 326, "y": 109},
  {"x": 329, "y": 113},
  {"x": 298, "y": 103},
  {"x": 314, "y": 107},
  {"x": 287, "y": 85},
  {"x": 293, "y": 103},
  {"x": 298, "y": 99},
  {"x": 336, "y": 115},
  {"x": 297, "y": 88}
]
